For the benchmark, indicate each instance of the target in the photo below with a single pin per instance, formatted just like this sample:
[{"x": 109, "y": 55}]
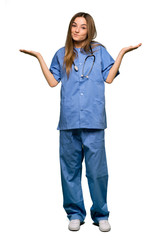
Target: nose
[{"x": 77, "y": 29}]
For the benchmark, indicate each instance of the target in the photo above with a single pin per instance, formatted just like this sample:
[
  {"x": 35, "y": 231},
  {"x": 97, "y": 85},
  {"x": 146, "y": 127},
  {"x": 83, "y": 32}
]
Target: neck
[{"x": 78, "y": 44}]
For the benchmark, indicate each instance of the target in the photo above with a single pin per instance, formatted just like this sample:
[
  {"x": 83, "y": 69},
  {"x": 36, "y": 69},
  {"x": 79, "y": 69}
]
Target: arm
[
  {"x": 114, "y": 69},
  {"x": 47, "y": 74}
]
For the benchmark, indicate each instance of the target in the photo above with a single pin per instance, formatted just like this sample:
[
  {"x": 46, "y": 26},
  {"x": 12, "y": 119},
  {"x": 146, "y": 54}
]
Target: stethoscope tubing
[
  {"x": 91, "y": 66},
  {"x": 76, "y": 68}
]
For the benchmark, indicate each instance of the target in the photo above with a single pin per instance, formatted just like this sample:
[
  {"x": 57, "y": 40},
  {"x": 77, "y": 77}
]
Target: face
[{"x": 79, "y": 30}]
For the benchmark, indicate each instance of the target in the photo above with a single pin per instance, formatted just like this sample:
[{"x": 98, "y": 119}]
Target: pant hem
[
  {"x": 96, "y": 221},
  {"x": 76, "y": 216}
]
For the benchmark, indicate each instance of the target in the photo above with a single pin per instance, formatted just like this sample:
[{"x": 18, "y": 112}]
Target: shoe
[
  {"x": 104, "y": 226},
  {"x": 74, "y": 225}
]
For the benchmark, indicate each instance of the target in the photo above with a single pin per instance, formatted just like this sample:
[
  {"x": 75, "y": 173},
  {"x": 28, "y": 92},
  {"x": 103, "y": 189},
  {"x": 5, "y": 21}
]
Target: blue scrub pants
[{"x": 75, "y": 144}]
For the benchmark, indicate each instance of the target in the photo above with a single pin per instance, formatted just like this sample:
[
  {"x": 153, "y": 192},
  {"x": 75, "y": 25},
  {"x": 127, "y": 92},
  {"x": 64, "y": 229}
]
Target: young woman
[{"x": 83, "y": 66}]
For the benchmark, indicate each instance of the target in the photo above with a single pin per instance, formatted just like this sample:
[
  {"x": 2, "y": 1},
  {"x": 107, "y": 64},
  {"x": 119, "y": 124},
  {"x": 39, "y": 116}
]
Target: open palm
[
  {"x": 130, "y": 48},
  {"x": 32, "y": 53}
]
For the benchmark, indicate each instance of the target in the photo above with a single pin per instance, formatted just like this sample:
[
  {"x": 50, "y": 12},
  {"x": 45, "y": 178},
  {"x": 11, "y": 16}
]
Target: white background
[{"x": 30, "y": 186}]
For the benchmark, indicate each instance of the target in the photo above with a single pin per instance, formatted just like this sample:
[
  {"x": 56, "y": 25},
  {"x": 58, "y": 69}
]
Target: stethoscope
[{"x": 76, "y": 68}]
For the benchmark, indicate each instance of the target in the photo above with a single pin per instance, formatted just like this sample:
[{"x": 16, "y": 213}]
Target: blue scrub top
[{"x": 82, "y": 99}]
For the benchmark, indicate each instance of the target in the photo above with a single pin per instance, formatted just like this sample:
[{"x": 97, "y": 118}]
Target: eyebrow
[{"x": 81, "y": 24}]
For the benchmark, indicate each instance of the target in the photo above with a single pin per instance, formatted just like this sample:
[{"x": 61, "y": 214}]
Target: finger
[
  {"x": 135, "y": 47},
  {"x": 138, "y": 45},
  {"x": 22, "y": 50}
]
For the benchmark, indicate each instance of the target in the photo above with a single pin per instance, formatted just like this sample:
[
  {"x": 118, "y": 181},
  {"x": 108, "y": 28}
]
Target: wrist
[
  {"x": 38, "y": 56},
  {"x": 122, "y": 52}
]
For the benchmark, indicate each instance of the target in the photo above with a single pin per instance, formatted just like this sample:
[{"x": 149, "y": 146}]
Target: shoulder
[
  {"x": 61, "y": 49},
  {"x": 97, "y": 46},
  {"x": 60, "y": 52},
  {"x": 100, "y": 50}
]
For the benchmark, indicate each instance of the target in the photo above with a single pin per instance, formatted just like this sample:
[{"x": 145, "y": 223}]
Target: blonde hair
[{"x": 70, "y": 54}]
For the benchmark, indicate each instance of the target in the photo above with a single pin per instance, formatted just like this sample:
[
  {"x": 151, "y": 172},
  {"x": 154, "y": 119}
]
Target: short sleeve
[
  {"x": 107, "y": 63},
  {"x": 55, "y": 68}
]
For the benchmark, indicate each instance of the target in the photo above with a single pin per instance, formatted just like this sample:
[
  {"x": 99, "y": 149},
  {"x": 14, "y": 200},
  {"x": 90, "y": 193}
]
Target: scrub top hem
[{"x": 81, "y": 128}]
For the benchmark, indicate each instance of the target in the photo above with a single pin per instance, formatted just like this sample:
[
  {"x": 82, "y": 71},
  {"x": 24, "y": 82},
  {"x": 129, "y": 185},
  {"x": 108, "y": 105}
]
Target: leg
[
  {"x": 96, "y": 172},
  {"x": 71, "y": 157}
]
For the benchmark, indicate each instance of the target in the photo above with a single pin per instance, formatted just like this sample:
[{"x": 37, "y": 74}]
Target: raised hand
[
  {"x": 32, "y": 53},
  {"x": 48, "y": 75},
  {"x": 116, "y": 65},
  {"x": 130, "y": 48}
]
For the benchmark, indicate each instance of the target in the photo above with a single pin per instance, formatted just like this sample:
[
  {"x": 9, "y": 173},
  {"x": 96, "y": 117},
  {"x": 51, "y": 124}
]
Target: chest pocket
[{"x": 96, "y": 73}]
